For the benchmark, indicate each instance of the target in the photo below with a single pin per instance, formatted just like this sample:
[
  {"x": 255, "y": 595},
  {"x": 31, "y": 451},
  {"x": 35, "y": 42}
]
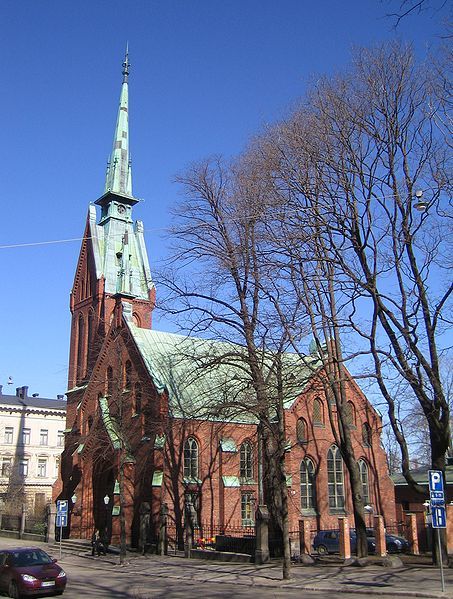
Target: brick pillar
[
  {"x": 345, "y": 537},
  {"x": 449, "y": 528},
  {"x": 51, "y": 515},
  {"x": 305, "y": 536},
  {"x": 379, "y": 534},
  {"x": 412, "y": 533}
]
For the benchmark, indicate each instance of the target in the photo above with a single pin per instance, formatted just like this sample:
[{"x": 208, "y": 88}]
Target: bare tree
[
  {"x": 351, "y": 162},
  {"x": 215, "y": 286}
]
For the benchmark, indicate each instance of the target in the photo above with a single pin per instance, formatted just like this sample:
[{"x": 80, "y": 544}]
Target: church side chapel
[{"x": 143, "y": 425}]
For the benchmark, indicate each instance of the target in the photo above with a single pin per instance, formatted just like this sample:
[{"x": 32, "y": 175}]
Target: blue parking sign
[
  {"x": 439, "y": 519},
  {"x": 62, "y": 506},
  {"x": 62, "y": 520},
  {"x": 436, "y": 481}
]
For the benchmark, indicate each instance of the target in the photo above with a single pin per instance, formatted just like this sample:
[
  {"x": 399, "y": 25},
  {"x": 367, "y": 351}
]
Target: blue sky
[{"x": 206, "y": 75}]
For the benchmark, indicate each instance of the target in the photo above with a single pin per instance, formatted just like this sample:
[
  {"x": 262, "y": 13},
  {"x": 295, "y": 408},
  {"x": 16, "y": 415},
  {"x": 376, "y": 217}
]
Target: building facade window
[
  {"x": 128, "y": 375},
  {"x": 80, "y": 348},
  {"x": 60, "y": 439},
  {"x": 26, "y": 433},
  {"x": 335, "y": 479},
  {"x": 57, "y": 466},
  {"x": 246, "y": 461},
  {"x": 44, "y": 436},
  {"x": 247, "y": 503},
  {"x": 138, "y": 398},
  {"x": 363, "y": 468},
  {"x": 318, "y": 412},
  {"x": 6, "y": 466},
  {"x": 23, "y": 468},
  {"x": 366, "y": 434},
  {"x": 350, "y": 413},
  {"x": 191, "y": 459},
  {"x": 110, "y": 381},
  {"x": 302, "y": 431},
  {"x": 9, "y": 433},
  {"x": 42, "y": 467},
  {"x": 307, "y": 485}
]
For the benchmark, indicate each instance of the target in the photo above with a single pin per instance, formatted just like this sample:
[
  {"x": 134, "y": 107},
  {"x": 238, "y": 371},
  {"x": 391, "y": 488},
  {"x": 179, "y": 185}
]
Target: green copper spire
[{"x": 119, "y": 176}]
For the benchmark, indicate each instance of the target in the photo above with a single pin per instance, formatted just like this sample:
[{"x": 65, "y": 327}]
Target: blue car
[{"x": 328, "y": 541}]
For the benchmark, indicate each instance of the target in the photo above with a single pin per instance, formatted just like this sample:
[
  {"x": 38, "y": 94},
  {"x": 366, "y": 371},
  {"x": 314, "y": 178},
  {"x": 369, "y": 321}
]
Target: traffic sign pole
[{"x": 441, "y": 562}]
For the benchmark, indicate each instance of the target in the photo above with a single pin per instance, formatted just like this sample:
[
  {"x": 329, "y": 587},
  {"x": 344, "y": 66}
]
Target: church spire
[{"x": 119, "y": 176}]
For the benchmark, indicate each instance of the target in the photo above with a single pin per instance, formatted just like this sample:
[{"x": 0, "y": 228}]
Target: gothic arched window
[
  {"x": 366, "y": 434},
  {"x": 350, "y": 413},
  {"x": 335, "y": 481},
  {"x": 138, "y": 398},
  {"x": 363, "y": 468},
  {"x": 318, "y": 411},
  {"x": 128, "y": 375},
  {"x": 307, "y": 485},
  {"x": 191, "y": 458},
  {"x": 302, "y": 430},
  {"x": 110, "y": 381},
  {"x": 80, "y": 348},
  {"x": 246, "y": 461}
]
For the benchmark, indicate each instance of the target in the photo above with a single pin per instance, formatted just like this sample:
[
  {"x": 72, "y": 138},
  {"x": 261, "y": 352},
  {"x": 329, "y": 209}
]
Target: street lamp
[
  {"x": 74, "y": 499},
  {"x": 107, "y": 519},
  {"x": 369, "y": 510},
  {"x": 420, "y": 204}
]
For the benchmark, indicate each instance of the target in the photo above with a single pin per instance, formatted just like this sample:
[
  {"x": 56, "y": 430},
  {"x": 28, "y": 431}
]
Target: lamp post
[
  {"x": 369, "y": 510},
  {"x": 420, "y": 204},
  {"x": 106, "y": 527}
]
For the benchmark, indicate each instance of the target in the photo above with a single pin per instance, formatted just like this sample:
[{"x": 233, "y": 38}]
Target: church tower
[{"x": 113, "y": 261}]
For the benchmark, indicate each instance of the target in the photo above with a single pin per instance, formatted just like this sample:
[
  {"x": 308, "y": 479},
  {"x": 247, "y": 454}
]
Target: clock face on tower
[{"x": 121, "y": 209}]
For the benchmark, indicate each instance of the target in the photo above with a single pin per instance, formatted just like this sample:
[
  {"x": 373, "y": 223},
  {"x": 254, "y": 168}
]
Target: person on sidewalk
[{"x": 97, "y": 545}]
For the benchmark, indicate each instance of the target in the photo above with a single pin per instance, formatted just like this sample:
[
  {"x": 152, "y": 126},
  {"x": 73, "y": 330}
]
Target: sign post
[
  {"x": 62, "y": 517},
  {"x": 438, "y": 514}
]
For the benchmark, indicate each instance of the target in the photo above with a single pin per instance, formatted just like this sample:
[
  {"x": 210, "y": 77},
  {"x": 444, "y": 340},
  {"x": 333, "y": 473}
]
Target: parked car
[
  {"x": 393, "y": 543},
  {"x": 328, "y": 541},
  {"x": 29, "y": 571}
]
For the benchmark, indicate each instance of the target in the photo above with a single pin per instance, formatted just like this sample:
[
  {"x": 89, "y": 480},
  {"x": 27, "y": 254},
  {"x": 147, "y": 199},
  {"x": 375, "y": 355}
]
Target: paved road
[
  {"x": 90, "y": 581},
  {"x": 154, "y": 577}
]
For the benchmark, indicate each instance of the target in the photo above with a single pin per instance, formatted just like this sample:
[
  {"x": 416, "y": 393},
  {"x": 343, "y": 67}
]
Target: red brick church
[{"x": 140, "y": 419}]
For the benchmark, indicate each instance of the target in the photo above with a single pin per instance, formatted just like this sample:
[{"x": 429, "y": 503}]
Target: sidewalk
[
  {"x": 407, "y": 581},
  {"x": 416, "y": 578}
]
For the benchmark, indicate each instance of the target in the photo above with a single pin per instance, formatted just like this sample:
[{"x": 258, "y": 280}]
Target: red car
[{"x": 29, "y": 571}]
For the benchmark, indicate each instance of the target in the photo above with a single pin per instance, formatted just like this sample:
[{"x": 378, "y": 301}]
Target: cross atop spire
[{"x": 119, "y": 176}]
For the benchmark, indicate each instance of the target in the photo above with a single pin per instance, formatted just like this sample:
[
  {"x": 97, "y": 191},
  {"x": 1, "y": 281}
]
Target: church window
[
  {"x": 110, "y": 381},
  {"x": 350, "y": 413},
  {"x": 127, "y": 375},
  {"x": 80, "y": 347},
  {"x": 90, "y": 328},
  {"x": 191, "y": 458},
  {"x": 82, "y": 289},
  {"x": 363, "y": 468},
  {"x": 247, "y": 501},
  {"x": 307, "y": 485},
  {"x": 335, "y": 479},
  {"x": 366, "y": 434},
  {"x": 301, "y": 430},
  {"x": 246, "y": 461},
  {"x": 138, "y": 398},
  {"x": 318, "y": 412}
]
